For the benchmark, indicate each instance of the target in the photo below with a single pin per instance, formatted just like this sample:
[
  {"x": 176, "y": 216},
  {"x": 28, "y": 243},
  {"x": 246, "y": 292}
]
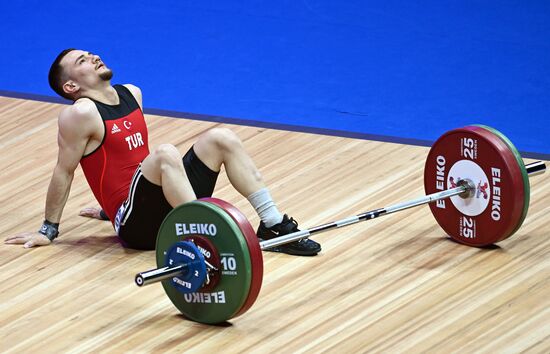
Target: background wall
[{"x": 374, "y": 69}]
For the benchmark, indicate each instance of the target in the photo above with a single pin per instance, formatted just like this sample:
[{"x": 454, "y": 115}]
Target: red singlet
[{"x": 110, "y": 167}]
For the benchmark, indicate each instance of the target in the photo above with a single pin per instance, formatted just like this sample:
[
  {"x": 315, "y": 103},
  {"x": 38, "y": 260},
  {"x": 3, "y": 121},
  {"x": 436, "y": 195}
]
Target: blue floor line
[{"x": 262, "y": 124}]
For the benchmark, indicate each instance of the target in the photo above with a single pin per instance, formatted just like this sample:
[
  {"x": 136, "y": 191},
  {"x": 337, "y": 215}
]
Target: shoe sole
[{"x": 282, "y": 249}]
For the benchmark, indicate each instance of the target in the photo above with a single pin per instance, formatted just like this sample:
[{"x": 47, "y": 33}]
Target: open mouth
[{"x": 99, "y": 66}]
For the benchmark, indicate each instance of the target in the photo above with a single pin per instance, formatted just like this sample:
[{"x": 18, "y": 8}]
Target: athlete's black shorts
[{"x": 140, "y": 216}]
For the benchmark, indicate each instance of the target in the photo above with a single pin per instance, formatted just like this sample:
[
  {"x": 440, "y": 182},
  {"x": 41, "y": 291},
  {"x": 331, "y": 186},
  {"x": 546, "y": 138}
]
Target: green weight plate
[
  {"x": 519, "y": 159},
  {"x": 202, "y": 219}
]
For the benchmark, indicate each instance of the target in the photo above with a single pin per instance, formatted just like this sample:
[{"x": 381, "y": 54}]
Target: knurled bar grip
[{"x": 362, "y": 217}]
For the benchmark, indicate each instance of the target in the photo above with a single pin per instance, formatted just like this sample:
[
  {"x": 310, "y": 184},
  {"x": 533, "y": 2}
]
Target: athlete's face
[{"x": 84, "y": 70}]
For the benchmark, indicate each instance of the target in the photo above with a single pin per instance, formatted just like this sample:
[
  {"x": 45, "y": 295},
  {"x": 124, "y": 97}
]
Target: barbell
[{"x": 209, "y": 258}]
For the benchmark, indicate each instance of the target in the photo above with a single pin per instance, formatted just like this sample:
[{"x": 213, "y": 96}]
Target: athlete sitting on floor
[{"x": 104, "y": 130}]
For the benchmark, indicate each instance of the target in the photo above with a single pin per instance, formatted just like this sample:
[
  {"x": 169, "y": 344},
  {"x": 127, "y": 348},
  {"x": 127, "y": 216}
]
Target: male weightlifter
[{"x": 104, "y": 130}]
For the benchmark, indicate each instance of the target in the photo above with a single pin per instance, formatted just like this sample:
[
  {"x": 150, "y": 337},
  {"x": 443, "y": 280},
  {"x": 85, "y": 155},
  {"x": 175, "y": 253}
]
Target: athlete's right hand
[{"x": 29, "y": 239}]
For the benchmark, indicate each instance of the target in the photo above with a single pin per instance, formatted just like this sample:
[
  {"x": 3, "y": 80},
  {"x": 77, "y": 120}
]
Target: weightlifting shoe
[{"x": 304, "y": 247}]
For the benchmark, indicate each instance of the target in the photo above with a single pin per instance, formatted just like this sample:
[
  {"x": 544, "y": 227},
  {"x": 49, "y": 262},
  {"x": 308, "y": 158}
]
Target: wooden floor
[{"x": 393, "y": 284}]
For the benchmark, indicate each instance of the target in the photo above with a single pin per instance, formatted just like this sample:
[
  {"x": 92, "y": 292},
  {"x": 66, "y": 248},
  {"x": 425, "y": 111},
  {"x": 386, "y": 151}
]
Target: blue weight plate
[{"x": 193, "y": 277}]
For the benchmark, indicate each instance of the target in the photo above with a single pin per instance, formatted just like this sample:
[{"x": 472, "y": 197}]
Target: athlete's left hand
[{"x": 94, "y": 213}]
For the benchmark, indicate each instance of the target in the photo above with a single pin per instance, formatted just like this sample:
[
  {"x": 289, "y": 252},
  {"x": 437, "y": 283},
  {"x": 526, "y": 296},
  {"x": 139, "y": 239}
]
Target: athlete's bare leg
[
  {"x": 221, "y": 146},
  {"x": 164, "y": 168}
]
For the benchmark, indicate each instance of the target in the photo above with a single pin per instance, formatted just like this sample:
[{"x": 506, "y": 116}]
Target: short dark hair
[{"x": 55, "y": 75}]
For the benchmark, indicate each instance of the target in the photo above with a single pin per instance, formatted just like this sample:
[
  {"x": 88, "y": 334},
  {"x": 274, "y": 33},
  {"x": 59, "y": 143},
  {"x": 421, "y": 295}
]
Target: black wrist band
[
  {"x": 103, "y": 216},
  {"x": 49, "y": 229}
]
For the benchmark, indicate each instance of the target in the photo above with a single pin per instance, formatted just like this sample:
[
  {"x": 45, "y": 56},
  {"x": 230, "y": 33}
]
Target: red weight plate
[
  {"x": 256, "y": 258},
  {"x": 496, "y": 207},
  {"x": 210, "y": 254}
]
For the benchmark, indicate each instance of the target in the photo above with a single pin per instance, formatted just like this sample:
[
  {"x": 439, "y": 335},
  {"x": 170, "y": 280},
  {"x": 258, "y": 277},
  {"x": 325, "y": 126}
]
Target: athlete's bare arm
[
  {"x": 136, "y": 92},
  {"x": 80, "y": 131}
]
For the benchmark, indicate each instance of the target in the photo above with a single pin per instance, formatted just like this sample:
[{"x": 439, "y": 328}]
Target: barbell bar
[
  {"x": 463, "y": 190},
  {"x": 475, "y": 181}
]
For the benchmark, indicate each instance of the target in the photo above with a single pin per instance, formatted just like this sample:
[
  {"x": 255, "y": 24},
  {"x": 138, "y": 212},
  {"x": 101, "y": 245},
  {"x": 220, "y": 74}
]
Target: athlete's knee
[
  {"x": 167, "y": 155},
  {"x": 224, "y": 139}
]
